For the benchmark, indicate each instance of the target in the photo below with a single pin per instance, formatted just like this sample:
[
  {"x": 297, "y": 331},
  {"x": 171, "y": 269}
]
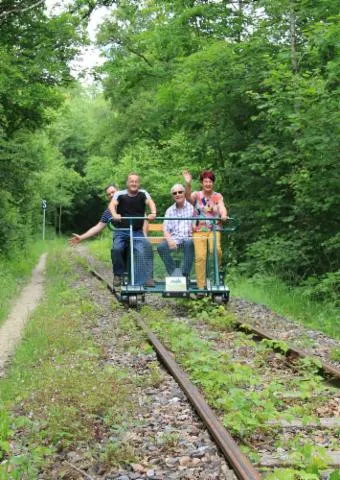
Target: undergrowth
[
  {"x": 58, "y": 394},
  {"x": 100, "y": 247},
  {"x": 288, "y": 301},
  {"x": 234, "y": 389},
  {"x": 15, "y": 271}
]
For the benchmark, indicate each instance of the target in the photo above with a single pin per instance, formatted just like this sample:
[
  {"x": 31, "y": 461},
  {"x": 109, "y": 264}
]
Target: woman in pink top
[{"x": 207, "y": 204}]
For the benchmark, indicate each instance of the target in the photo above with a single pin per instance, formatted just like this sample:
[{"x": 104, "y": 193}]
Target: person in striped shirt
[
  {"x": 106, "y": 217},
  {"x": 177, "y": 233},
  {"x": 110, "y": 190}
]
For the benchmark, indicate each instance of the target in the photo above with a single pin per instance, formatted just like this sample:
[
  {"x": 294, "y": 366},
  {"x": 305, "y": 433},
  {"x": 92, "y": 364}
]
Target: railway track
[
  {"x": 240, "y": 464},
  {"x": 329, "y": 371}
]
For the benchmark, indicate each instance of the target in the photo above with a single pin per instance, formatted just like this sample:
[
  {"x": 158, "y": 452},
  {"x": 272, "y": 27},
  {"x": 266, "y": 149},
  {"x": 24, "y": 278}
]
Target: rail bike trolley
[{"x": 146, "y": 262}]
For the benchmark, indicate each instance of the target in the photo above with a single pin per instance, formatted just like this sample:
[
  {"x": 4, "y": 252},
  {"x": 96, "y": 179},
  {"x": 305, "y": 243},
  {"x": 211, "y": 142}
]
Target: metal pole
[
  {"x": 216, "y": 266},
  {"x": 44, "y": 222},
  {"x": 132, "y": 260},
  {"x": 244, "y": 470}
]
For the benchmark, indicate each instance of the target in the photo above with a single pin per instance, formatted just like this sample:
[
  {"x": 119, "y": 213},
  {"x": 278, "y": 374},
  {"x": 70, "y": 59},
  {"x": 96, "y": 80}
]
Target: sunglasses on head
[{"x": 177, "y": 193}]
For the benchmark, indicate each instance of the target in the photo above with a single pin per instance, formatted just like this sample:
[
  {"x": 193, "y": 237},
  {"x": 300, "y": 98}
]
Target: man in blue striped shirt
[{"x": 110, "y": 190}]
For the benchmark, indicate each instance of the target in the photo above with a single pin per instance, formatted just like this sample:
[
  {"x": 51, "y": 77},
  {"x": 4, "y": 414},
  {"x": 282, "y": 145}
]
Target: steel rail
[
  {"x": 243, "y": 469},
  {"x": 240, "y": 464},
  {"x": 328, "y": 370},
  {"x": 102, "y": 279},
  {"x": 332, "y": 373}
]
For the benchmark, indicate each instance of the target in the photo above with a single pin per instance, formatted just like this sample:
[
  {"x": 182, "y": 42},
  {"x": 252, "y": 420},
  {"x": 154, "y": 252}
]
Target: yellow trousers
[{"x": 203, "y": 240}]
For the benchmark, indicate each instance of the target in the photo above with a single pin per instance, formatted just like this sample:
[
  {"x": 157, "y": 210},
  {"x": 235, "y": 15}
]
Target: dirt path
[{"x": 11, "y": 330}]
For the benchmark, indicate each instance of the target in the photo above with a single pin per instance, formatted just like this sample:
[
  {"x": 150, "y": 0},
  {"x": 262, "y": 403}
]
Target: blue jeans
[
  {"x": 142, "y": 251},
  {"x": 188, "y": 256},
  {"x": 125, "y": 257}
]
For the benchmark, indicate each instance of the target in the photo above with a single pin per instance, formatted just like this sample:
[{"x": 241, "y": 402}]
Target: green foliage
[
  {"x": 58, "y": 370},
  {"x": 186, "y": 85},
  {"x": 335, "y": 354},
  {"x": 216, "y": 316},
  {"x": 9, "y": 220},
  {"x": 294, "y": 176},
  {"x": 35, "y": 51},
  {"x": 279, "y": 345},
  {"x": 311, "y": 458},
  {"x": 223, "y": 381},
  {"x": 325, "y": 288},
  {"x": 115, "y": 454},
  {"x": 235, "y": 388},
  {"x": 80, "y": 166},
  {"x": 246, "y": 107},
  {"x": 291, "y": 474},
  {"x": 292, "y": 302},
  {"x": 310, "y": 365},
  {"x": 100, "y": 247},
  {"x": 5, "y": 431}
]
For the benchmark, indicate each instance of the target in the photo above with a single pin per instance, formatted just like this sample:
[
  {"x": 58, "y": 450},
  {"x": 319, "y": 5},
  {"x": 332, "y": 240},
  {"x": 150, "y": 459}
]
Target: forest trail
[{"x": 11, "y": 330}]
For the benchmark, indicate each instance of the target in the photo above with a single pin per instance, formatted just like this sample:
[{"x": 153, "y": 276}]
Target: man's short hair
[
  {"x": 111, "y": 185},
  {"x": 133, "y": 173},
  {"x": 176, "y": 187}
]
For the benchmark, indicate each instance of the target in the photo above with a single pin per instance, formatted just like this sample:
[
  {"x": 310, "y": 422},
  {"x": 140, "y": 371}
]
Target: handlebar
[{"x": 234, "y": 223}]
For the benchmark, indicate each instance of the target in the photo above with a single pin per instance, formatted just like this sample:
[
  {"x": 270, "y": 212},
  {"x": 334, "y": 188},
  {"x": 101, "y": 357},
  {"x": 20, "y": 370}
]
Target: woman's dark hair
[{"x": 207, "y": 174}]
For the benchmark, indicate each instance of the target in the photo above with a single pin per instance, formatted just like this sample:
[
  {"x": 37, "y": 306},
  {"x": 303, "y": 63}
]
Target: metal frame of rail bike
[{"x": 130, "y": 292}]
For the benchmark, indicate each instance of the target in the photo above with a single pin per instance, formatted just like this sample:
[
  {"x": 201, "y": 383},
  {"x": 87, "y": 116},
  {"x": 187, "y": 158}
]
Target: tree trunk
[
  {"x": 56, "y": 216},
  {"x": 293, "y": 40},
  {"x": 59, "y": 220},
  {"x": 240, "y": 18}
]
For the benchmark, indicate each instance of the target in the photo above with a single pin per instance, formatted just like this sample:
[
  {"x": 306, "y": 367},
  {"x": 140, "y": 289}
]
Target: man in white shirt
[{"x": 177, "y": 233}]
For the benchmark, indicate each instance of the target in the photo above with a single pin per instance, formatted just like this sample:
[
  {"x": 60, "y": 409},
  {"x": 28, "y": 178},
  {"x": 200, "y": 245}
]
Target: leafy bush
[
  {"x": 276, "y": 255},
  {"x": 325, "y": 288},
  {"x": 9, "y": 219}
]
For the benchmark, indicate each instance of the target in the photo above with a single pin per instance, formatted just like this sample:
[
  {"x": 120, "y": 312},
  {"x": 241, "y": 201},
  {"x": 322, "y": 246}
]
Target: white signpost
[{"x": 44, "y": 206}]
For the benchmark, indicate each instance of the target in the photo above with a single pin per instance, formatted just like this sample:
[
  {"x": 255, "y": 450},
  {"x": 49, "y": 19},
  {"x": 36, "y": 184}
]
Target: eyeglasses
[{"x": 178, "y": 193}]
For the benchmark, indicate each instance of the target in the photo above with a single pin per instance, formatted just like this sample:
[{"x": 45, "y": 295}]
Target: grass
[
  {"x": 289, "y": 302},
  {"x": 235, "y": 389},
  {"x": 58, "y": 394},
  {"x": 101, "y": 247},
  {"x": 16, "y": 270}
]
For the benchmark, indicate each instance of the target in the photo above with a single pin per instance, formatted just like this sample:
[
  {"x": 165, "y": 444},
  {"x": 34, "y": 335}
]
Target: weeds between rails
[{"x": 271, "y": 344}]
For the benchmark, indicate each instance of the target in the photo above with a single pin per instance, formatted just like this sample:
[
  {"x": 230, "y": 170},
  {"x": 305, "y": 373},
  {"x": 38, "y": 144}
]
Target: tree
[{"x": 35, "y": 51}]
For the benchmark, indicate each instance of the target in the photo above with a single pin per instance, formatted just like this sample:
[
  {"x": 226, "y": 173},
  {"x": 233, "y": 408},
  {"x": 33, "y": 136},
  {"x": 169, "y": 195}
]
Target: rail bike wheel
[
  {"x": 221, "y": 299},
  {"x": 133, "y": 301},
  {"x": 218, "y": 299}
]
